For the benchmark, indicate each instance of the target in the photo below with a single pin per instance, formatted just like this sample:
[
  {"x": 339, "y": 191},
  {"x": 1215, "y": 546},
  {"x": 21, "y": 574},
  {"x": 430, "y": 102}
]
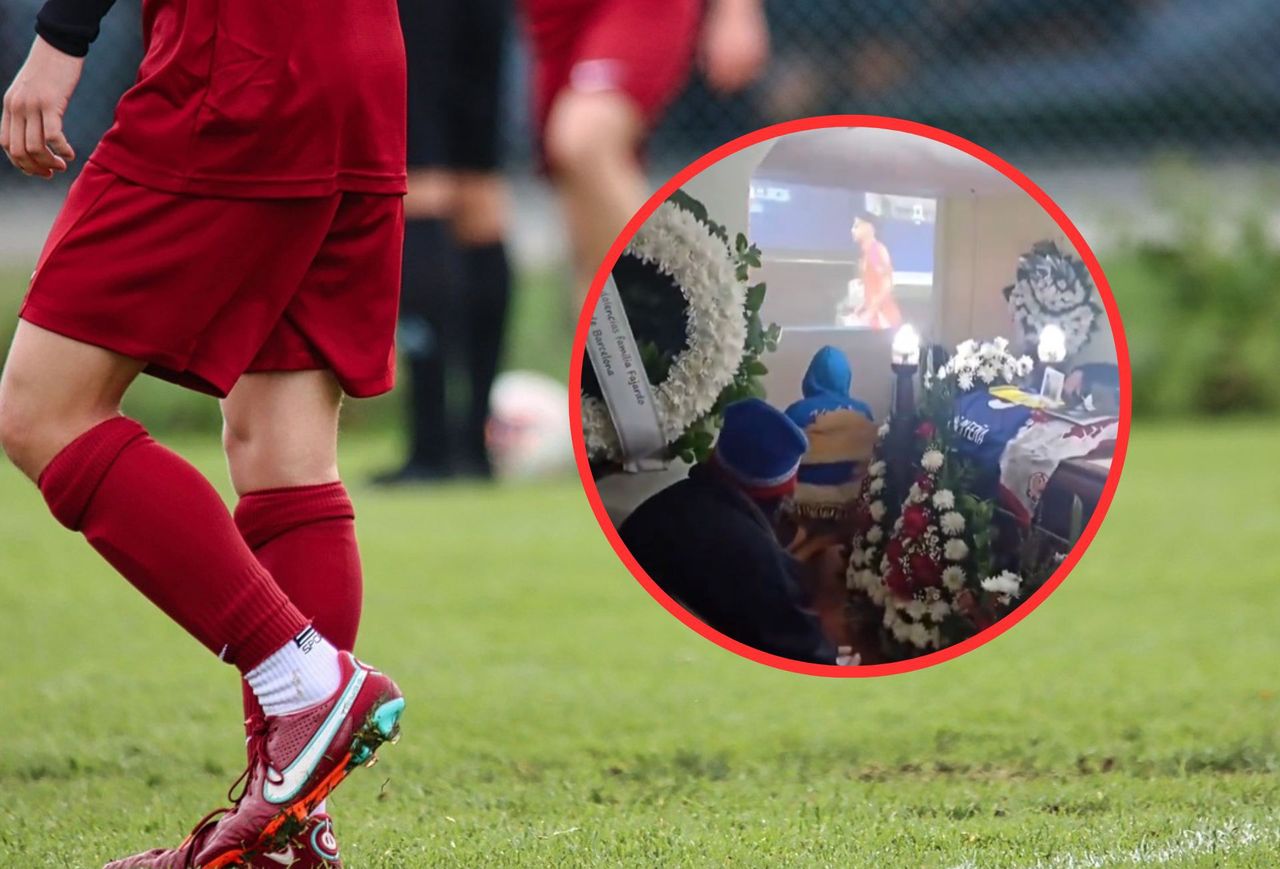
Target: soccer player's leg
[
  {"x": 280, "y": 436},
  {"x": 107, "y": 299},
  {"x": 338, "y": 328},
  {"x": 431, "y": 265},
  {"x": 474, "y": 88},
  {"x": 164, "y": 527},
  {"x": 630, "y": 60},
  {"x": 480, "y": 225},
  {"x": 590, "y": 147}
]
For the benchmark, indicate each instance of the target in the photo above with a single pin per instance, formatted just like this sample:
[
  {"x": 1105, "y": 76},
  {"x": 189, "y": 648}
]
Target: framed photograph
[{"x": 1051, "y": 386}]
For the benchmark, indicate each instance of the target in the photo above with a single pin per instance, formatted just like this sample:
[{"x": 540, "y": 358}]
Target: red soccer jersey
[{"x": 245, "y": 98}]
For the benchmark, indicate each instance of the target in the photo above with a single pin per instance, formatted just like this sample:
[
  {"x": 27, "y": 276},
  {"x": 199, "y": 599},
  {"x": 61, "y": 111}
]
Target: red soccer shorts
[
  {"x": 642, "y": 48},
  {"x": 205, "y": 289}
]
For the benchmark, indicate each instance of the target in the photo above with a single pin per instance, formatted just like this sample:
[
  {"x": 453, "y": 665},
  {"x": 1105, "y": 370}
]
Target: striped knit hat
[{"x": 760, "y": 448}]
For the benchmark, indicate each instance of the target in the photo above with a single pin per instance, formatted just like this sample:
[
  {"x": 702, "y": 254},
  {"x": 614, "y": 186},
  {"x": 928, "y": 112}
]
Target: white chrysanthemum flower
[
  {"x": 876, "y": 486},
  {"x": 965, "y": 348},
  {"x": 915, "y": 608},
  {"x": 951, "y": 523},
  {"x": 875, "y": 534},
  {"x": 883, "y": 431},
  {"x": 918, "y": 635},
  {"x": 1006, "y": 582},
  {"x": 914, "y": 495},
  {"x": 701, "y": 264},
  {"x": 939, "y": 610},
  {"x": 944, "y": 499},
  {"x": 955, "y": 550},
  {"x": 858, "y": 557},
  {"x": 931, "y": 461},
  {"x": 964, "y": 381},
  {"x": 876, "y": 469},
  {"x": 1000, "y": 343},
  {"x": 954, "y": 577},
  {"x": 877, "y": 510},
  {"x": 987, "y": 372}
]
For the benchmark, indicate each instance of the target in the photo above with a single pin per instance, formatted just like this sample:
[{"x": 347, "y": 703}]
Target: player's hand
[
  {"x": 31, "y": 123},
  {"x": 735, "y": 44}
]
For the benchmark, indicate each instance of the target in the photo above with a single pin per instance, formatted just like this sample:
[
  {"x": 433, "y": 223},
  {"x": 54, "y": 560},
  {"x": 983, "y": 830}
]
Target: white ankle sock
[{"x": 301, "y": 673}]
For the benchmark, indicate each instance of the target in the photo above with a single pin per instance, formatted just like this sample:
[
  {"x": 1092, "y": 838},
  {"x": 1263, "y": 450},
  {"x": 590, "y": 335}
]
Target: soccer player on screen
[
  {"x": 879, "y": 310},
  {"x": 237, "y": 231},
  {"x": 604, "y": 72}
]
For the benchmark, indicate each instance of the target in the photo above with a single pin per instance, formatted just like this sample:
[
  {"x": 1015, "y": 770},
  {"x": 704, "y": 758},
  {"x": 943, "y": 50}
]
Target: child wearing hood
[{"x": 842, "y": 436}]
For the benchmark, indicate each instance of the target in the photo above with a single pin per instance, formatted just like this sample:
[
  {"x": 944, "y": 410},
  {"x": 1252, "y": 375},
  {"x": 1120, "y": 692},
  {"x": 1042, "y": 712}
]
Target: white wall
[
  {"x": 725, "y": 187},
  {"x": 980, "y": 241}
]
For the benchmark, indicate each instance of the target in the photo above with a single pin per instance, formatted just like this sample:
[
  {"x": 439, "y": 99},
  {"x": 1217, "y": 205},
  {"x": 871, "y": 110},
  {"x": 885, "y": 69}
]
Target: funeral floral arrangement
[
  {"x": 982, "y": 365},
  {"x": 928, "y": 565},
  {"x": 696, "y": 319},
  {"x": 1053, "y": 286}
]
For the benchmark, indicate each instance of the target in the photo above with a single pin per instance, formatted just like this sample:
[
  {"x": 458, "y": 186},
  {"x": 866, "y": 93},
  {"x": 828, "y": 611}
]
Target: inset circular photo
[{"x": 854, "y": 396}]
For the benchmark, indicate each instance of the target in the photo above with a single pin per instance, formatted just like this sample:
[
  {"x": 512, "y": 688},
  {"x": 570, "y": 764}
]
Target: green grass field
[{"x": 558, "y": 716}]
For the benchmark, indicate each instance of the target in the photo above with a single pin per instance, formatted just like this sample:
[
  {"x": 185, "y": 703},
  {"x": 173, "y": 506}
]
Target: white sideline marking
[{"x": 1229, "y": 838}]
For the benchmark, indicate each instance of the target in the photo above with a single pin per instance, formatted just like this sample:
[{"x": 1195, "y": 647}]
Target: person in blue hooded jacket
[{"x": 842, "y": 436}]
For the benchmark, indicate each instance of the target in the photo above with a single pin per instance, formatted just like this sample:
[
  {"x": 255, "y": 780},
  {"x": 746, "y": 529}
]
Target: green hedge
[{"x": 1202, "y": 315}]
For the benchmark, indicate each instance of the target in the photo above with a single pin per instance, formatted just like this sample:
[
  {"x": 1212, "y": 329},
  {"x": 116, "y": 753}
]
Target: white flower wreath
[
  {"x": 684, "y": 249},
  {"x": 1053, "y": 286}
]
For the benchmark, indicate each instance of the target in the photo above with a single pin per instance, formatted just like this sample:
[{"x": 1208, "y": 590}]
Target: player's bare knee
[
  {"x": 21, "y": 435},
  {"x": 589, "y": 133}
]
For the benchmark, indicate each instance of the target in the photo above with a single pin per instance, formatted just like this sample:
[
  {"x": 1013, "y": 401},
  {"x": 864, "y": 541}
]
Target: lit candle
[
  {"x": 906, "y": 346},
  {"x": 1053, "y": 344}
]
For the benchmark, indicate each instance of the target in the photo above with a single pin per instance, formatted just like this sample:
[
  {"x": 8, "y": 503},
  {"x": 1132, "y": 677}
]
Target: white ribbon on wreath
[{"x": 684, "y": 249}]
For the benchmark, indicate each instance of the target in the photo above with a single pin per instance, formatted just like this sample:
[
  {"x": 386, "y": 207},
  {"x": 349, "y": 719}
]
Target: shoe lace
[
  {"x": 205, "y": 823},
  {"x": 258, "y": 729}
]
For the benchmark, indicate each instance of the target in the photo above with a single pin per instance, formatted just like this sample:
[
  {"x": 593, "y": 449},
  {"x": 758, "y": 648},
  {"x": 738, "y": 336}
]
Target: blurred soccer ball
[{"x": 528, "y": 431}]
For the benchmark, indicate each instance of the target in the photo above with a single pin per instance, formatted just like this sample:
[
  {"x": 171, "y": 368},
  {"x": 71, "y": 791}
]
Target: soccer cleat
[
  {"x": 297, "y": 760},
  {"x": 181, "y": 857},
  {"x": 313, "y": 848}
]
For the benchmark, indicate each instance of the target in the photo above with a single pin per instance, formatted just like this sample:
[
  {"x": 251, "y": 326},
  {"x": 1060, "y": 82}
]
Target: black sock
[
  {"x": 427, "y": 327},
  {"x": 487, "y": 288}
]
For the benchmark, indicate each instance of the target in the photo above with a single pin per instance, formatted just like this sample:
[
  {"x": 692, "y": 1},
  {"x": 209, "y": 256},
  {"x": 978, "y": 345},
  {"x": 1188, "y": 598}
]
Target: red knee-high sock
[
  {"x": 161, "y": 524},
  {"x": 306, "y": 537}
]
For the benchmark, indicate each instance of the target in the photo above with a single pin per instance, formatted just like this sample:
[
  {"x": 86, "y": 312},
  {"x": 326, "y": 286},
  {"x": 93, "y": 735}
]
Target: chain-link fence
[{"x": 1109, "y": 79}]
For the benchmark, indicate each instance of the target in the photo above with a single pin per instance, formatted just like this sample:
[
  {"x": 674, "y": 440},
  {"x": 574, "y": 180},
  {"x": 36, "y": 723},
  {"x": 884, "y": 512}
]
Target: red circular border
[{"x": 816, "y": 123}]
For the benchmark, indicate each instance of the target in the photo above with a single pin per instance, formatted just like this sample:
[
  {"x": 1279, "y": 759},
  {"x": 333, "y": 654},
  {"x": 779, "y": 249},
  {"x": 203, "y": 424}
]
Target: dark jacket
[{"x": 712, "y": 549}]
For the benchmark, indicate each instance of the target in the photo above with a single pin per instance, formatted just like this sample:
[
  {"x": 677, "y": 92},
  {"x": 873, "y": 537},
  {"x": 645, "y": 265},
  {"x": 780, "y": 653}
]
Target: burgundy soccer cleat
[
  {"x": 314, "y": 847},
  {"x": 297, "y": 760}
]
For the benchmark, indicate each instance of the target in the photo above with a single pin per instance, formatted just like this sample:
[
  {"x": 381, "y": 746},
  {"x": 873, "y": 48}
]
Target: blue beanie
[{"x": 760, "y": 447}]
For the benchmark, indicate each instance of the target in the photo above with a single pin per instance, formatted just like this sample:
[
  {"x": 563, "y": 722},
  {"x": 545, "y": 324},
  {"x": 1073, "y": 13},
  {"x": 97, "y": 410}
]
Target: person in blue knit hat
[{"x": 709, "y": 541}]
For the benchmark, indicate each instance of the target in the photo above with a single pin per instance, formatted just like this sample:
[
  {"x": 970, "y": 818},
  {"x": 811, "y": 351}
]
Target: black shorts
[{"x": 455, "y": 50}]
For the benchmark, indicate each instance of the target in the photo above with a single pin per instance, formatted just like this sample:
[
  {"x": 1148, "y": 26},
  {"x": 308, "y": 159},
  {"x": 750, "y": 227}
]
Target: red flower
[
  {"x": 898, "y": 583},
  {"x": 926, "y": 430},
  {"x": 894, "y": 549},
  {"x": 915, "y": 519},
  {"x": 925, "y": 572},
  {"x": 926, "y": 483}
]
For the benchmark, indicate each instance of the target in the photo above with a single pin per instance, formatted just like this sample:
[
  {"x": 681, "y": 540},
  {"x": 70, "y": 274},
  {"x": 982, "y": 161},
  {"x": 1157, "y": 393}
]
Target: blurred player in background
[
  {"x": 604, "y": 72},
  {"x": 237, "y": 231},
  {"x": 879, "y": 310},
  {"x": 457, "y": 282}
]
